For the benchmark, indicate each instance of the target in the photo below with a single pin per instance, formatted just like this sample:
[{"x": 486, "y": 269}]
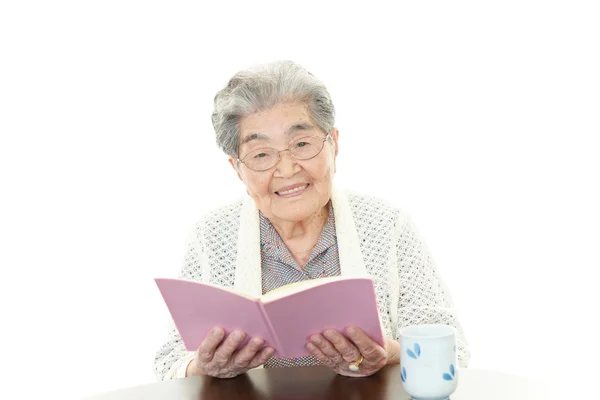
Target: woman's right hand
[{"x": 218, "y": 358}]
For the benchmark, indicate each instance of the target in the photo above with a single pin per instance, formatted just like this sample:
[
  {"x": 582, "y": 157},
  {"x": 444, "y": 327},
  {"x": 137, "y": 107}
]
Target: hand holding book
[
  {"x": 218, "y": 356},
  {"x": 284, "y": 319},
  {"x": 353, "y": 354}
]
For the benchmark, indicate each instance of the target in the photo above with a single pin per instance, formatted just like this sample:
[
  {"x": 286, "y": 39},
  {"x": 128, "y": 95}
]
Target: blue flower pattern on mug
[
  {"x": 449, "y": 376},
  {"x": 417, "y": 353}
]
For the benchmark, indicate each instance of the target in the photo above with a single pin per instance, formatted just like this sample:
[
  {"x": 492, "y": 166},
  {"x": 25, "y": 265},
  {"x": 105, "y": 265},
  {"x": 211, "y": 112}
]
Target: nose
[{"x": 287, "y": 165}]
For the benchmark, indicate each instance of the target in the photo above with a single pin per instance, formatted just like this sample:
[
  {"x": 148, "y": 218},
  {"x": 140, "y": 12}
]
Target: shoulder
[
  {"x": 376, "y": 214},
  {"x": 225, "y": 217},
  {"x": 373, "y": 208}
]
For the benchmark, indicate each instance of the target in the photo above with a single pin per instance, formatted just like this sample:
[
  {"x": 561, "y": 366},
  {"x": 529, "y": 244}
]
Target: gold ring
[{"x": 356, "y": 364}]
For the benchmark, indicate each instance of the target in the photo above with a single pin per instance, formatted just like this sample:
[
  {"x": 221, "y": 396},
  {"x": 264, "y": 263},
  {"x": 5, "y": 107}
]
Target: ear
[
  {"x": 335, "y": 136},
  {"x": 335, "y": 133},
  {"x": 234, "y": 165}
]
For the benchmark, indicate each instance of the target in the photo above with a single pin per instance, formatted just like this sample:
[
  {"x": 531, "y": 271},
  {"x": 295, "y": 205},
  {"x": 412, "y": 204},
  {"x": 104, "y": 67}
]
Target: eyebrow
[
  {"x": 300, "y": 126},
  {"x": 254, "y": 136}
]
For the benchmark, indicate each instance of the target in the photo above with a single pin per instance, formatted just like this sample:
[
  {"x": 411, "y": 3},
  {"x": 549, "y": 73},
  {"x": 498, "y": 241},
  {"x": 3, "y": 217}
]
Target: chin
[{"x": 293, "y": 214}]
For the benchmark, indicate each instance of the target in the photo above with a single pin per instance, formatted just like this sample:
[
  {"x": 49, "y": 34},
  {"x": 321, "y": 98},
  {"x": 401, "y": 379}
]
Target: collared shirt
[{"x": 279, "y": 268}]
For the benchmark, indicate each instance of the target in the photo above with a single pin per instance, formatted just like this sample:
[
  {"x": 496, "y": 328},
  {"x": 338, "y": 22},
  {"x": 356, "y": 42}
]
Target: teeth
[{"x": 293, "y": 190}]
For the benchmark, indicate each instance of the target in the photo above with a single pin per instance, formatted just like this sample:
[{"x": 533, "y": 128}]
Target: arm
[
  {"x": 217, "y": 355},
  {"x": 424, "y": 298},
  {"x": 172, "y": 359}
]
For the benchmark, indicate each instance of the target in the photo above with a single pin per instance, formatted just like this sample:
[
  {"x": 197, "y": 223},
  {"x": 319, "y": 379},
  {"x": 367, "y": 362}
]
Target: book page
[
  {"x": 333, "y": 304},
  {"x": 296, "y": 287},
  {"x": 197, "y": 307}
]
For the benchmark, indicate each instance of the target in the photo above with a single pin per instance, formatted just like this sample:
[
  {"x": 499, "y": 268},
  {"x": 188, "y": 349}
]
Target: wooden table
[{"x": 321, "y": 383}]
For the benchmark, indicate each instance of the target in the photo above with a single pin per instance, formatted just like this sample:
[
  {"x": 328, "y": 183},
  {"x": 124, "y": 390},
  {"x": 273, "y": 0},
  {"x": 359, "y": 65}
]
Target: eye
[
  {"x": 261, "y": 155},
  {"x": 302, "y": 144}
]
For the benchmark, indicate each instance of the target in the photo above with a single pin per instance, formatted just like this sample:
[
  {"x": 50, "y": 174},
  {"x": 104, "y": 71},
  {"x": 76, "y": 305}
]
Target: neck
[{"x": 293, "y": 231}]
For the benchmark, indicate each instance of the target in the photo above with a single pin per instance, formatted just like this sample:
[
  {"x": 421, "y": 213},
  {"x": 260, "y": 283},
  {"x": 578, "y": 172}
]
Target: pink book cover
[{"x": 285, "y": 323}]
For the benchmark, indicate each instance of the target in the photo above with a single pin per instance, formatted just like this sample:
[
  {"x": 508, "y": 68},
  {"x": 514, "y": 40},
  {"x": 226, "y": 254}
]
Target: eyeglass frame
[{"x": 278, "y": 153}]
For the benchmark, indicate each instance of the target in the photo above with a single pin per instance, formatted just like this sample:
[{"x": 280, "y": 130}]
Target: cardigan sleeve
[
  {"x": 171, "y": 359},
  {"x": 423, "y": 298}
]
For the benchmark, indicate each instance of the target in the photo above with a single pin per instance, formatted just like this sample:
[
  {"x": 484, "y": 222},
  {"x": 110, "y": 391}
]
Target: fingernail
[
  {"x": 316, "y": 340},
  {"x": 330, "y": 335},
  {"x": 310, "y": 346},
  {"x": 236, "y": 335},
  {"x": 351, "y": 330},
  {"x": 216, "y": 332}
]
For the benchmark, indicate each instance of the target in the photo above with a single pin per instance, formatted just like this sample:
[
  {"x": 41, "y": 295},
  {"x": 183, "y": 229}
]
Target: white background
[{"x": 481, "y": 119}]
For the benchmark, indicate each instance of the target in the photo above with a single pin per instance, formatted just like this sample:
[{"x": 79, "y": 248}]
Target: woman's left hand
[{"x": 338, "y": 352}]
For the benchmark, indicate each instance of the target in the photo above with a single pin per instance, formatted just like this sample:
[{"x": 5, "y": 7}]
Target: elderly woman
[{"x": 276, "y": 124}]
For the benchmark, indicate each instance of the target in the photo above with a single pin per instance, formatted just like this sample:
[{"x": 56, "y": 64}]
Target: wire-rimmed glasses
[{"x": 266, "y": 158}]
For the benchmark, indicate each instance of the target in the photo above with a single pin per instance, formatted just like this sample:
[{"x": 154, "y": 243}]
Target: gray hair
[{"x": 263, "y": 87}]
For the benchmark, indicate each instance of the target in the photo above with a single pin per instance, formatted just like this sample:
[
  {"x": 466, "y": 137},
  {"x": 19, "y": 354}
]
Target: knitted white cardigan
[{"x": 375, "y": 239}]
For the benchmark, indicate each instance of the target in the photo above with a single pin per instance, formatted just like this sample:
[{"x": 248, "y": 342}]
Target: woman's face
[{"x": 270, "y": 189}]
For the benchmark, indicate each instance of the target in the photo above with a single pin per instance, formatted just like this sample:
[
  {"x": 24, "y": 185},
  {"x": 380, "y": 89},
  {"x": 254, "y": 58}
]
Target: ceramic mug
[{"x": 428, "y": 361}]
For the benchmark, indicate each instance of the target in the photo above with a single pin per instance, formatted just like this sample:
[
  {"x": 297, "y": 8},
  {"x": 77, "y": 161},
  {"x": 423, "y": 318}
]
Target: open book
[{"x": 285, "y": 318}]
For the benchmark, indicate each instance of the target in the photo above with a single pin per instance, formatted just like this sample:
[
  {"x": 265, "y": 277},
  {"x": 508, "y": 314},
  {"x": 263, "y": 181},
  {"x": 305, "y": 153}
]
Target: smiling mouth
[{"x": 292, "y": 191}]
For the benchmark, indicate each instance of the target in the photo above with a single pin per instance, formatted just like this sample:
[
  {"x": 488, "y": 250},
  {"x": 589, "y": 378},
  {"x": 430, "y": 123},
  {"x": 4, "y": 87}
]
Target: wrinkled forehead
[
  {"x": 269, "y": 136},
  {"x": 277, "y": 124}
]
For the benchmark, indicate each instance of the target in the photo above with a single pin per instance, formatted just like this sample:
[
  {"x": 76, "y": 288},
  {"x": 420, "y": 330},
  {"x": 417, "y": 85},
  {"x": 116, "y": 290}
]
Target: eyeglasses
[{"x": 301, "y": 149}]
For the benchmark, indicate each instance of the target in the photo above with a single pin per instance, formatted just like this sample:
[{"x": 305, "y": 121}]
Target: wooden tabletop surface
[{"x": 321, "y": 383}]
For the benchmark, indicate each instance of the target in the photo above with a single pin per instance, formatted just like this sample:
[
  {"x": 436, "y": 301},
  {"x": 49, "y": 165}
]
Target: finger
[
  {"x": 261, "y": 357},
  {"x": 209, "y": 345},
  {"x": 327, "y": 348},
  {"x": 226, "y": 349},
  {"x": 318, "y": 354},
  {"x": 247, "y": 353},
  {"x": 370, "y": 349},
  {"x": 346, "y": 348}
]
